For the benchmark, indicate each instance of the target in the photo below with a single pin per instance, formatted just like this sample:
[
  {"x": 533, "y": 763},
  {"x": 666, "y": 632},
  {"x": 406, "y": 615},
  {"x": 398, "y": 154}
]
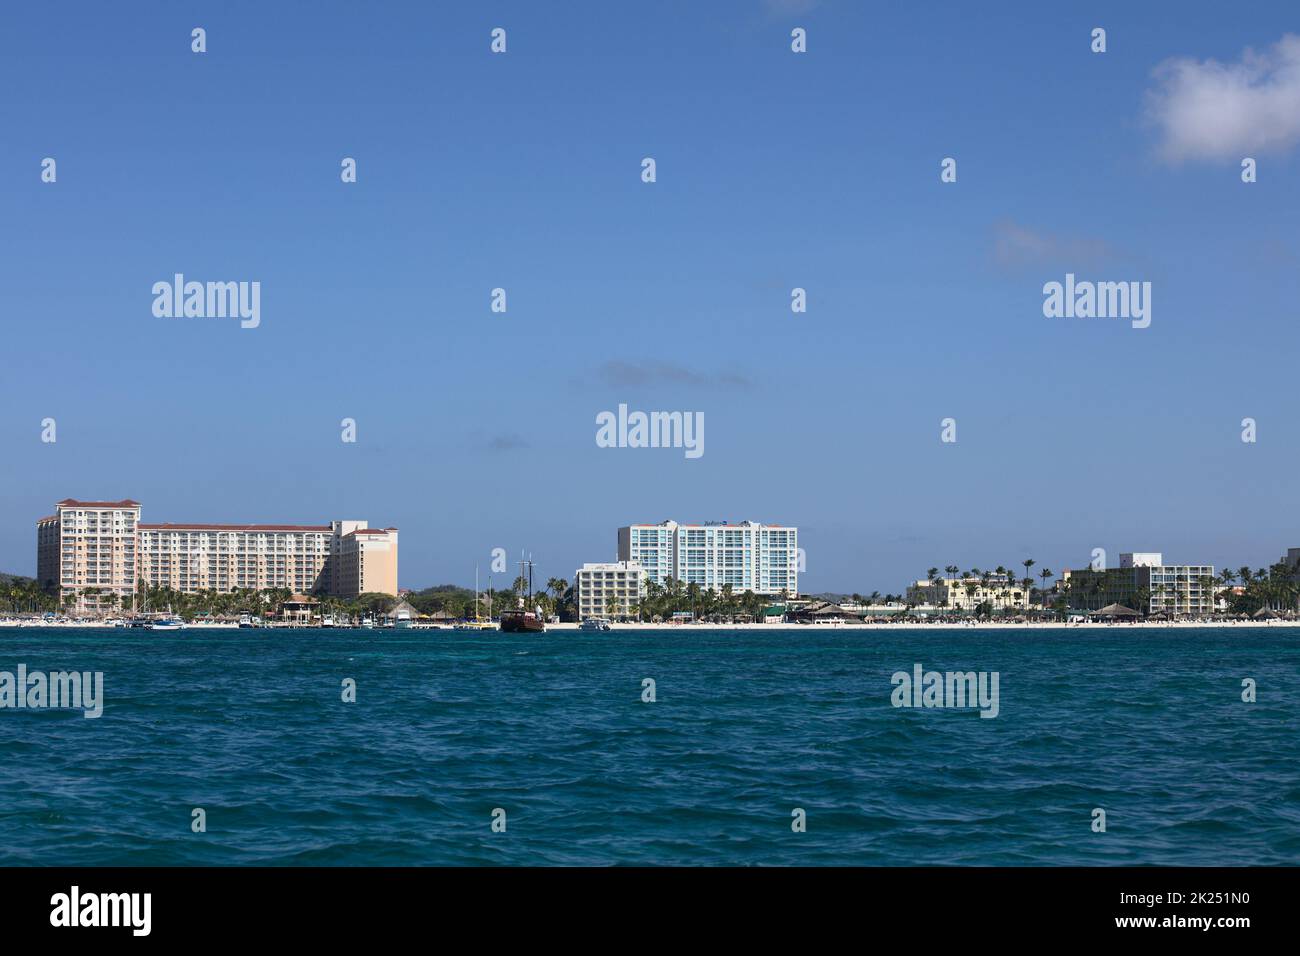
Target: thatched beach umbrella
[{"x": 1116, "y": 611}]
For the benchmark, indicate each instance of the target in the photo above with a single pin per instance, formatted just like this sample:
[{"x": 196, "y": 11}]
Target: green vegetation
[
  {"x": 1275, "y": 589},
  {"x": 22, "y": 595},
  {"x": 264, "y": 603},
  {"x": 661, "y": 601},
  {"x": 457, "y": 601}
]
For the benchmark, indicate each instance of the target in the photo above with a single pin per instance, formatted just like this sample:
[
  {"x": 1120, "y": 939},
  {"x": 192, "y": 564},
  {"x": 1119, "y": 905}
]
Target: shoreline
[{"x": 569, "y": 627}]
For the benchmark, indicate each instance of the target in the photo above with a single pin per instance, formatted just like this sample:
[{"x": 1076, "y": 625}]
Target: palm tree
[
  {"x": 652, "y": 597},
  {"x": 1159, "y": 592},
  {"x": 1045, "y": 574},
  {"x": 1206, "y": 582},
  {"x": 693, "y": 595}
]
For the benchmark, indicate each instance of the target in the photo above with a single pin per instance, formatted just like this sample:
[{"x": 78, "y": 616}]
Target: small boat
[
  {"x": 250, "y": 620},
  {"x": 367, "y": 621},
  {"x": 166, "y": 624},
  {"x": 480, "y": 623},
  {"x": 474, "y": 626},
  {"x": 328, "y": 621},
  {"x": 594, "y": 624}
]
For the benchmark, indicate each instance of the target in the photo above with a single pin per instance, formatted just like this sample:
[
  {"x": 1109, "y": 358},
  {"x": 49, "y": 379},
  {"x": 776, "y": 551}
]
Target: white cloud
[
  {"x": 1207, "y": 110},
  {"x": 1016, "y": 246}
]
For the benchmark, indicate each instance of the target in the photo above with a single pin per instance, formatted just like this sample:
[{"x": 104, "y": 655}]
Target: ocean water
[{"x": 747, "y": 726}]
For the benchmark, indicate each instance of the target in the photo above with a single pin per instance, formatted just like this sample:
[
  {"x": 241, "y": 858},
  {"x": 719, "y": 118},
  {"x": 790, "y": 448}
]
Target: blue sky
[{"x": 775, "y": 170}]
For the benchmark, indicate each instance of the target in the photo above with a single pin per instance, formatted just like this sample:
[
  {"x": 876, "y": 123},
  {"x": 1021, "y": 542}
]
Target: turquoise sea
[{"x": 1148, "y": 725}]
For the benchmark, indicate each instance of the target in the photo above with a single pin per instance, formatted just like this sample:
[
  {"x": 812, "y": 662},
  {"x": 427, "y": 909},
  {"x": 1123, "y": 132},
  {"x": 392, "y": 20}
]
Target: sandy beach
[
  {"x": 687, "y": 628},
  {"x": 933, "y": 626}
]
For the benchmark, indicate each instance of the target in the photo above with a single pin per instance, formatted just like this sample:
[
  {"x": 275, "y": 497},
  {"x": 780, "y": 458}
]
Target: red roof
[
  {"x": 369, "y": 531},
  {"x": 74, "y": 503},
  {"x": 172, "y": 526}
]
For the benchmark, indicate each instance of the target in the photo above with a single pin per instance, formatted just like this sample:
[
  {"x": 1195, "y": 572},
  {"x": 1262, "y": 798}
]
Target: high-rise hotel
[
  {"x": 96, "y": 548},
  {"x": 748, "y": 556}
]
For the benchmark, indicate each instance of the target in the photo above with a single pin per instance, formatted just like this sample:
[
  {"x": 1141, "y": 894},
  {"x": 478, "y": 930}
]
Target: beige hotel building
[{"x": 96, "y": 548}]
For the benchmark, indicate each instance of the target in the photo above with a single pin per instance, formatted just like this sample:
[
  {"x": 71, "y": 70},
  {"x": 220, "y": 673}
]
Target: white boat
[
  {"x": 594, "y": 624},
  {"x": 167, "y": 624},
  {"x": 249, "y": 620},
  {"x": 367, "y": 621}
]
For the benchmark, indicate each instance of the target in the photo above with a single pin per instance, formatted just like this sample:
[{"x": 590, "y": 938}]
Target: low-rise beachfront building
[
  {"x": 1001, "y": 591},
  {"x": 1146, "y": 584},
  {"x": 97, "y": 551},
  {"x": 749, "y": 556},
  {"x": 866, "y": 610},
  {"x": 611, "y": 589}
]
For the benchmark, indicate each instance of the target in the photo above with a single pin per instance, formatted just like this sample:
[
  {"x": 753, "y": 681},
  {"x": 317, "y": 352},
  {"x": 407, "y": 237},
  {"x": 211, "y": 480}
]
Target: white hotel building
[
  {"x": 609, "y": 589},
  {"x": 94, "y": 549},
  {"x": 748, "y": 556}
]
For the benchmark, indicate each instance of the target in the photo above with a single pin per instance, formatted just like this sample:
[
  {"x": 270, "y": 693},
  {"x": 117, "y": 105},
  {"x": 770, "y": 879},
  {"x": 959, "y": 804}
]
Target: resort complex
[
  {"x": 98, "y": 552},
  {"x": 96, "y": 558},
  {"x": 1144, "y": 583},
  {"x": 998, "y": 590}
]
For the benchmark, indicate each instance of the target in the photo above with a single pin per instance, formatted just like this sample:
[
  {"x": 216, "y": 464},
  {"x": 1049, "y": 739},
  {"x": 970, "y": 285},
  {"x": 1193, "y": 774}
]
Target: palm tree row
[
  {"x": 26, "y": 596},
  {"x": 661, "y": 601},
  {"x": 976, "y": 580}
]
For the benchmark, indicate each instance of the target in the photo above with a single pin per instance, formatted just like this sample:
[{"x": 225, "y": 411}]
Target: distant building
[
  {"x": 366, "y": 561},
  {"x": 1145, "y": 583},
  {"x": 88, "y": 549},
  {"x": 1001, "y": 591},
  {"x": 98, "y": 550},
  {"x": 598, "y": 586},
  {"x": 190, "y": 557},
  {"x": 748, "y": 556}
]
